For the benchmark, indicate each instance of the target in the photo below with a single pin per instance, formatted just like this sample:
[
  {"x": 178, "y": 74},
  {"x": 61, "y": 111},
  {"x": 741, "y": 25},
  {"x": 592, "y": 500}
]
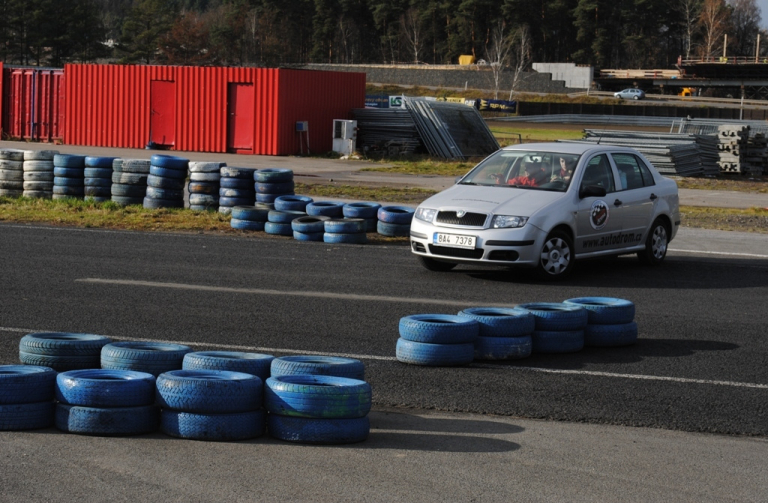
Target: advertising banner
[
  {"x": 376, "y": 101},
  {"x": 497, "y": 105}
]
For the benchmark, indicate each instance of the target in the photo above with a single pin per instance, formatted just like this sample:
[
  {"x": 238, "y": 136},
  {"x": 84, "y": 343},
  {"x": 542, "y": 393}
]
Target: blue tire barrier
[
  {"x": 63, "y": 344},
  {"x": 292, "y": 203},
  {"x": 203, "y": 207},
  {"x": 151, "y": 357},
  {"x": 273, "y": 175},
  {"x": 169, "y": 161},
  {"x": 112, "y": 421},
  {"x": 318, "y": 365},
  {"x": 63, "y": 181},
  {"x": 605, "y": 310},
  {"x": 553, "y": 316},
  {"x": 156, "y": 193},
  {"x": 236, "y": 183},
  {"x": 97, "y": 173},
  {"x": 557, "y": 341},
  {"x": 434, "y": 355},
  {"x": 274, "y": 188},
  {"x": 27, "y": 416},
  {"x": 206, "y": 167},
  {"x": 26, "y": 384},
  {"x": 99, "y": 162},
  {"x": 264, "y": 206},
  {"x": 205, "y": 200},
  {"x": 231, "y": 202},
  {"x": 503, "y": 348},
  {"x": 501, "y": 321},
  {"x": 37, "y": 176},
  {"x": 246, "y": 225},
  {"x": 105, "y": 388},
  {"x": 69, "y": 172},
  {"x": 152, "y": 203},
  {"x": 371, "y": 224},
  {"x": 215, "y": 427},
  {"x": 269, "y": 198},
  {"x": 102, "y": 192},
  {"x": 209, "y": 178},
  {"x": 284, "y": 216},
  {"x": 439, "y": 329},
  {"x": 250, "y": 363},
  {"x": 345, "y": 226},
  {"x": 361, "y": 210},
  {"x": 395, "y": 214},
  {"x": 317, "y": 396},
  {"x": 97, "y": 182},
  {"x": 127, "y": 190},
  {"x": 241, "y": 173},
  {"x": 349, "y": 239},
  {"x": 250, "y": 213},
  {"x": 161, "y": 182},
  {"x": 179, "y": 174},
  {"x": 65, "y": 192},
  {"x": 203, "y": 188},
  {"x": 278, "y": 229},
  {"x": 309, "y": 225},
  {"x": 69, "y": 161},
  {"x": 610, "y": 336},
  {"x": 393, "y": 230},
  {"x": 131, "y": 166},
  {"x": 129, "y": 178},
  {"x": 126, "y": 200},
  {"x": 308, "y": 236},
  {"x": 236, "y": 193},
  {"x": 59, "y": 363},
  {"x": 225, "y": 210},
  {"x": 326, "y": 208},
  {"x": 318, "y": 431},
  {"x": 209, "y": 391}
]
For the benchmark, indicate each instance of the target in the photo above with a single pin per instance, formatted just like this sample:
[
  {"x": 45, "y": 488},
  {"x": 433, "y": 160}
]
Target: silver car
[
  {"x": 630, "y": 94},
  {"x": 546, "y": 205}
]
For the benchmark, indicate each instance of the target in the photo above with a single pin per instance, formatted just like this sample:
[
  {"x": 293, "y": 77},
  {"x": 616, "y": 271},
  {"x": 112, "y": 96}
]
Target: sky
[{"x": 763, "y": 4}]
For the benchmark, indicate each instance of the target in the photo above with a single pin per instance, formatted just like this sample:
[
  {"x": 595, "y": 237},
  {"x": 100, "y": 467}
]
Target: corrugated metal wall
[
  {"x": 114, "y": 106},
  {"x": 33, "y": 103},
  {"x": 2, "y": 103}
]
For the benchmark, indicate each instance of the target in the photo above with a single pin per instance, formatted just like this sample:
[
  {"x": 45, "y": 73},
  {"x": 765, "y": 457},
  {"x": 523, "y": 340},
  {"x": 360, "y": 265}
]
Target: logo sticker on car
[{"x": 598, "y": 217}]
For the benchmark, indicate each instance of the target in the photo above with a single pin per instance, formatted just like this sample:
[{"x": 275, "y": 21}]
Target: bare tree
[
  {"x": 523, "y": 45},
  {"x": 713, "y": 22},
  {"x": 689, "y": 12},
  {"x": 745, "y": 25},
  {"x": 410, "y": 25},
  {"x": 497, "y": 54}
]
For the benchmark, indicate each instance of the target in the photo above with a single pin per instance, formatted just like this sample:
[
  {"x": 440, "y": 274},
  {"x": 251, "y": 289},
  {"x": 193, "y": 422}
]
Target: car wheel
[
  {"x": 556, "y": 258},
  {"x": 656, "y": 244},
  {"x": 636, "y": 98},
  {"x": 435, "y": 265}
]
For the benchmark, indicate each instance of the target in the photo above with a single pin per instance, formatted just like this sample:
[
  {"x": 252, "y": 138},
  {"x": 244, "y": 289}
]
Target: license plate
[{"x": 454, "y": 240}]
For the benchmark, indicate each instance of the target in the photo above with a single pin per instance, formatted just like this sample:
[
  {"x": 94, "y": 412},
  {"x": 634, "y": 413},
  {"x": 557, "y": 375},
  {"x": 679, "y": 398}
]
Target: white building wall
[{"x": 577, "y": 77}]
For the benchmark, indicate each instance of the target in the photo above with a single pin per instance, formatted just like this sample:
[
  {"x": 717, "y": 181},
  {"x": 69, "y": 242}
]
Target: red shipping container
[{"x": 33, "y": 104}]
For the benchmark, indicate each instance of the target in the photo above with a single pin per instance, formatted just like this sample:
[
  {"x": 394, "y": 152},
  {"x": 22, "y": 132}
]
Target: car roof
[{"x": 576, "y": 148}]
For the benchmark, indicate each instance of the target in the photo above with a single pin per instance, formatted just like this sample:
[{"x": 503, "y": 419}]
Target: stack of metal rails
[
  {"x": 387, "y": 130},
  {"x": 742, "y": 144}
]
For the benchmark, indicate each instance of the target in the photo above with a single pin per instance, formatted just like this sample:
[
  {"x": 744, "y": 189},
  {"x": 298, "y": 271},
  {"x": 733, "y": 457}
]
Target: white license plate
[{"x": 454, "y": 240}]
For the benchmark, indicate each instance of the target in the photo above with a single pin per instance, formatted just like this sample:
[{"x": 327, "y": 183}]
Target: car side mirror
[{"x": 592, "y": 191}]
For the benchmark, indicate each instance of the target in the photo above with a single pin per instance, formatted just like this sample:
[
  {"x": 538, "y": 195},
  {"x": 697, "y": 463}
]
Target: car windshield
[{"x": 525, "y": 169}]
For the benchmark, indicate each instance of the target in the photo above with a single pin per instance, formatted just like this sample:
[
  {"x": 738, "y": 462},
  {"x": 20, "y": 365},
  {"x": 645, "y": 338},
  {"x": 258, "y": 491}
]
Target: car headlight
[
  {"x": 507, "y": 222},
  {"x": 426, "y": 214}
]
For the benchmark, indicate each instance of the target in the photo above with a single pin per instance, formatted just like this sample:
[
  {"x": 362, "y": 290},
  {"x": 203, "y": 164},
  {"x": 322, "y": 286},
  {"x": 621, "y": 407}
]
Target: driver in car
[
  {"x": 534, "y": 175},
  {"x": 566, "y": 170}
]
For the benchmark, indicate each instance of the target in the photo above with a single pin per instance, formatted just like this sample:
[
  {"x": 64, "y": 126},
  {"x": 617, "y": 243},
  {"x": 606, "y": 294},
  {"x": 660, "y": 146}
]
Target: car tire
[
  {"x": 635, "y": 98},
  {"x": 317, "y": 396},
  {"x": 556, "y": 258},
  {"x": 439, "y": 328},
  {"x": 605, "y": 310},
  {"x": 250, "y": 363},
  {"x": 105, "y": 388},
  {"x": 503, "y": 348},
  {"x": 318, "y": 365},
  {"x": 501, "y": 321},
  {"x": 222, "y": 427},
  {"x": 434, "y": 355},
  {"x": 553, "y": 316},
  {"x": 318, "y": 431},
  {"x": 113, "y": 421},
  {"x": 656, "y": 244},
  {"x": 26, "y": 384},
  {"x": 209, "y": 391}
]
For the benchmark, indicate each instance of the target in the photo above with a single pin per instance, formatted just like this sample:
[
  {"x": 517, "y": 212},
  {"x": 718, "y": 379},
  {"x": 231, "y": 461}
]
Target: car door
[
  {"x": 635, "y": 196},
  {"x": 597, "y": 221}
]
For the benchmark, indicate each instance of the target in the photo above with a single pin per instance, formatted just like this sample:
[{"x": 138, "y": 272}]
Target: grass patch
[
  {"x": 725, "y": 219},
  {"x": 408, "y": 195},
  {"x": 512, "y": 134},
  {"x": 426, "y": 166},
  {"x": 757, "y": 185}
]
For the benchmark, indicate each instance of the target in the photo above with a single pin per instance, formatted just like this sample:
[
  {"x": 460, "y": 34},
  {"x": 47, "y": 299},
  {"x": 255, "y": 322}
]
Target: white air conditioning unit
[{"x": 344, "y": 136}]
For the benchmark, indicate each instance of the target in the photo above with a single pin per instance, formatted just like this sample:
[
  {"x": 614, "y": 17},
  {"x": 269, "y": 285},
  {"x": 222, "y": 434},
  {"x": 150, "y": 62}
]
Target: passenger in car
[
  {"x": 566, "y": 170},
  {"x": 534, "y": 175}
]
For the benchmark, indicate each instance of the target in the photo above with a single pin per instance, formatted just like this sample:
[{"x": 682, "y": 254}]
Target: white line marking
[
  {"x": 752, "y": 255},
  {"x": 289, "y": 293},
  {"x": 640, "y": 377}
]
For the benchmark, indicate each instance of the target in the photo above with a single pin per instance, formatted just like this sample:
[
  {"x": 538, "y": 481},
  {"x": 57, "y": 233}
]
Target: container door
[
  {"x": 162, "y": 103},
  {"x": 240, "y": 111}
]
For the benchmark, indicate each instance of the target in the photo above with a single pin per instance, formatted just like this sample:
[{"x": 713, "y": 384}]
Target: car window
[
  {"x": 633, "y": 172},
  {"x": 598, "y": 172}
]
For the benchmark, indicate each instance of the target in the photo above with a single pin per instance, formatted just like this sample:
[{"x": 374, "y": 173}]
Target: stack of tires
[
  {"x": 330, "y": 209},
  {"x": 150, "y": 357},
  {"x": 106, "y": 402},
  {"x": 280, "y": 222},
  {"x": 62, "y": 351},
  {"x": 38, "y": 173},
  {"x": 317, "y": 409},
  {"x": 11, "y": 172},
  {"x": 394, "y": 221},
  {"x": 203, "y": 186},
  {"x": 236, "y": 188},
  {"x": 610, "y": 321},
  {"x": 318, "y": 365},
  {"x": 559, "y": 327},
  {"x": 365, "y": 210},
  {"x": 68, "y": 173},
  {"x": 308, "y": 228},
  {"x": 210, "y": 404},
  {"x": 505, "y": 334},
  {"x": 345, "y": 230},
  {"x": 271, "y": 183},
  {"x": 26, "y": 397},
  {"x": 129, "y": 181},
  {"x": 97, "y": 181},
  {"x": 249, "y": 218},
  {"x": 249, "y": 363},
  {"x": 165, "y": 183},
  {"x": 440, "y": 340}
]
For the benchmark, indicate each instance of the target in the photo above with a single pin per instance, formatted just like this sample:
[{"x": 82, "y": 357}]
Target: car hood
[{"x": 497, "y": 200}]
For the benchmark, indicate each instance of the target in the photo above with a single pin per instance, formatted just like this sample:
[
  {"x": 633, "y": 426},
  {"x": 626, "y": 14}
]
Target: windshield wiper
[{"x": 467, "y": 183}]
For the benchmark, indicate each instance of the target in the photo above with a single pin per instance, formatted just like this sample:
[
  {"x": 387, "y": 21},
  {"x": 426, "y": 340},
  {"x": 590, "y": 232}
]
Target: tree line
[{"x": 602, "y": 33}]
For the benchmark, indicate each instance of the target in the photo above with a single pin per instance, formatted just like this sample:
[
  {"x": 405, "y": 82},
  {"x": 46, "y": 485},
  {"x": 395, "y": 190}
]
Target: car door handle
[
  {"x": 654, "y": 197},
  {"x": 617, "y": 203}
]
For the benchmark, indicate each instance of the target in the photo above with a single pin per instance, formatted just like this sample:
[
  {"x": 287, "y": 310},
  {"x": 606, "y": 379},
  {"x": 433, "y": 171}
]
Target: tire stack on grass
[
  {"x": 330, "y": 209},
  {"x": 204, "y": 178},
  {"x": 394, "y": 221},
  {"x": 505, "y": 334},
  {"x": 97, "y": 181},
  {"x": 11, "y": 172},
  {"x": 287, "y": 208},
  {"x": 366, "y": 210},
  {"x": 62, "y": 351},
  {"x": 38, "y": 173},
  {"x": 438, "y": 340},
  {"x": 165, "y": 183},
  {"x": 211, "y": 404},
  {"x": 236, "y": 188},
  {"x": 317, "y": 409},
  {"x": 129, "y": 181},
  {"x": 271, "y": 183},
  {"x": 106, "y": 402},
  {"x": 248, "y": 363},
  {"x": 559, "y": 327},
  {"x": 318, "y": 365},
  {"x": 248, "y": 218},
  {"x": 26, "y": 397},
  {"x": 150, "y": 357},
  {"x": 307, "y": 228},
  {"x": 68, "y": 173},
  {"x": 610, "y": 321},
  {"x": 345, "y": 230}
]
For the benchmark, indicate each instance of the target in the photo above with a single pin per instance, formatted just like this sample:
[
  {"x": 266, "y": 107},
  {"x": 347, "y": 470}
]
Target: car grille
[
  {"x": 445, "y": 251},
  {"x": 467, "y": 220}
]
